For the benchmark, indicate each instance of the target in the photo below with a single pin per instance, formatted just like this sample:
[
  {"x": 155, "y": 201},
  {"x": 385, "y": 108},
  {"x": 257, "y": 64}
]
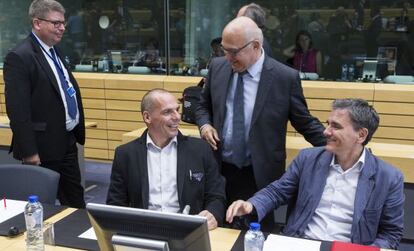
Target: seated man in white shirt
[
  {"x": 343, "y": 191},
  {"x": 164, "y": 170}
]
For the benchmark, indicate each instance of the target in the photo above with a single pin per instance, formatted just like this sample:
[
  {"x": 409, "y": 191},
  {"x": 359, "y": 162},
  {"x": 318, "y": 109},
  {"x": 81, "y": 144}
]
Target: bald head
[
  {"x": 244, "y": 28},
  {"x": 242, "y": 43}
]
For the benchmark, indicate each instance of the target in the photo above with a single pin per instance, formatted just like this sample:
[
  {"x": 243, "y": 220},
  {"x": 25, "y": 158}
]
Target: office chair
[{"x": 18, "y": 181}]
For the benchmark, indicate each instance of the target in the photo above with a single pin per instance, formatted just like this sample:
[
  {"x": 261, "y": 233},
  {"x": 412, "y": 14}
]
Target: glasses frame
[
  {"x": 234, "y": 52},
  {"x": 55, "y": 23}
]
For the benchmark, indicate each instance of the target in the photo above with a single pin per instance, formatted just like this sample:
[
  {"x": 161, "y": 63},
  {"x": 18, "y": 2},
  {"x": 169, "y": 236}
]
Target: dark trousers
[
  {"x": 70, "y": 191},
  {"x": 241, "y": 185}
]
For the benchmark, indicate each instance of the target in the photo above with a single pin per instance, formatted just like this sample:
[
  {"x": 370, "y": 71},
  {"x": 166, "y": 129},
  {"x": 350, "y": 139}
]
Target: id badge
[{"x": 71, "y": 91}]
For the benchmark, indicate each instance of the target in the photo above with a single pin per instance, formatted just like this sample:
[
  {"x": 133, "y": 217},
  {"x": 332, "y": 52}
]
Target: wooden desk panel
[
  {"x": 113, "y": 100},
  {"x": 123, "y": 105},
  {"x": 400, "y": 156},
  {"x": 395, "y": 108},
  {"x": 129, "y": 136},
  {"x": 334, "y": 90},
  {"x": 394, "y": 93},
  {"x": 179, "y": 83},
  {"x": 94, "y": 103},
  {"x": 133, "y": 82},
  {"x": 124, "y": 115},
  {"x": 89, "y": 80}
]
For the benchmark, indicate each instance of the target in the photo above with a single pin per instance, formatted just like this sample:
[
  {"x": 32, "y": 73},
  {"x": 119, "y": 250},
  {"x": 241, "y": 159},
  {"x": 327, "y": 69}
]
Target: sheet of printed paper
[
  {"x": 13, "y": 208},
  {"x": 88, "y": 234},
  {"x": 285, "y": 243}
]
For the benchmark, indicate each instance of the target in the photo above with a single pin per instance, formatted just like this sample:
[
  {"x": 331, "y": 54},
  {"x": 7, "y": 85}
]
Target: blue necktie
[
  {"x": 238, "y": 135},
  {"x": 70, "y": 100}
]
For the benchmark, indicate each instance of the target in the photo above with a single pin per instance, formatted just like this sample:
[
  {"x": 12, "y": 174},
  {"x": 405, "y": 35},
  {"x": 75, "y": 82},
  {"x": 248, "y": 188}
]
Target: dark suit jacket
[
  {"x": 129, "y": 179},
  {"x": 34, "y": 104},
  {"x": 279, "y": 99},
  {"x": 378, "y": 217}
]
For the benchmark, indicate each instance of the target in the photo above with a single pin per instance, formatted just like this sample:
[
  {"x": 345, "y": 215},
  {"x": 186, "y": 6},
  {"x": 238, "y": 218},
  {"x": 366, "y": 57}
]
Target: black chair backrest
[
  {"x": 408, "y": 235},
  {"x": 18, "y": 181}
]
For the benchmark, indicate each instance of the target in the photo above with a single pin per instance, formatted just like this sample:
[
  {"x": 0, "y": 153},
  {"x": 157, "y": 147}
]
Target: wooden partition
[
  {"x": 113, "y": 101},
  {"x": 2, "y": 99}
]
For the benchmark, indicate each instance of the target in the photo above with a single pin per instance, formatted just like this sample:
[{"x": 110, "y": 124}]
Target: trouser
[
  {"x": 241, "y": 185},
  {"x": 70, "y": 191}
]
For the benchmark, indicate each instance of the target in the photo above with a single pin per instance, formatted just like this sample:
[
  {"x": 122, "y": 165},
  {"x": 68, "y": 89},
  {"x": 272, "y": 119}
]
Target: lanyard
[{"x": 54, "y": 59}]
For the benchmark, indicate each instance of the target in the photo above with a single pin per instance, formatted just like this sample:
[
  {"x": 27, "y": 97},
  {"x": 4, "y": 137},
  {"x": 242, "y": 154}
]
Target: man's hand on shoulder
[
  {"x": 210, "y": 134},
  {"x": 238, "y": 208},
  {"x": 32, "y": 160},
  {"x": 211, "y": 220}
]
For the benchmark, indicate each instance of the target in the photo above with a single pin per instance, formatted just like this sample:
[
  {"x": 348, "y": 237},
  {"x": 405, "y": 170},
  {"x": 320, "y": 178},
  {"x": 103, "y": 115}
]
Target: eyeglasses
[
  {"x": 234, "y": 52},
  {"x": 56, "y": 24}
]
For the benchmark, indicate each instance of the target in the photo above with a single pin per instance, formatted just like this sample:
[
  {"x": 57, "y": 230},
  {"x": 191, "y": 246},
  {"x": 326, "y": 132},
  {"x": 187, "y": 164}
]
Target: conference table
[{"x": 220, "y": 238}]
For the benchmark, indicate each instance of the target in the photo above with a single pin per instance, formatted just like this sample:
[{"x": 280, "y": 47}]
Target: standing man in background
[
  {"x": 43, "y": 102},
  {"x": 258, "y": 15},
  {"x": 244, "y": 109}
]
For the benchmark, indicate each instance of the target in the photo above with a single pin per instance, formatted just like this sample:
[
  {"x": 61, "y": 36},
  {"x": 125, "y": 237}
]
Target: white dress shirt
[
  {"x": 162, "y": 176},
  {"x": 333, "y": 217},
  {"x": 70, "y": 123}
]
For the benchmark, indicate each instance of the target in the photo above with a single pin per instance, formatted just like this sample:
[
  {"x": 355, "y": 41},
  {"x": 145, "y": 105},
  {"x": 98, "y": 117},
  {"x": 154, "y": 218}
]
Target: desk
[{"x": 220, "y": 238}]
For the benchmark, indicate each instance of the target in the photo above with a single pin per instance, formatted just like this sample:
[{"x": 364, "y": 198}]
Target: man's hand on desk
[
  {"x": 238, "y": 208},
  {"x": 211, "y": 220},
  {"x": 32, "y": 160},
  {"x": 210, "y": 135}
]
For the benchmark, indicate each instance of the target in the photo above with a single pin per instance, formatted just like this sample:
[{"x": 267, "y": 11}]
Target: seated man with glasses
[
  {"x": 244, "y": 109},
  {"x": 43, "y": 102}
]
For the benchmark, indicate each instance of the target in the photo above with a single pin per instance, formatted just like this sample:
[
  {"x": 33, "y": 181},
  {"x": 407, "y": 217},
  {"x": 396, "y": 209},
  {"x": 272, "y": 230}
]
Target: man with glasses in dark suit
[
  {"x": 43, "y": 102},
  {"x": 244, "y": 109}
]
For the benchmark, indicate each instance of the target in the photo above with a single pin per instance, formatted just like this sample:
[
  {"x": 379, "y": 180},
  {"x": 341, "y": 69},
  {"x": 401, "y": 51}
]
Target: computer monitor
[
  {"x": 181, "y": 232},
  {"x": 119, "y": 60},
  {"x": 369, "y": 71},
  {"x": 116, "y": 57}
]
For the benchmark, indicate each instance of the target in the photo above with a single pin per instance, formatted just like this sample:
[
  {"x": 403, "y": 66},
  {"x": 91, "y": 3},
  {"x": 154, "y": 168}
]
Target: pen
[
  {"x": 4, "y": 201},
  {"x": 186, "y": 209}
]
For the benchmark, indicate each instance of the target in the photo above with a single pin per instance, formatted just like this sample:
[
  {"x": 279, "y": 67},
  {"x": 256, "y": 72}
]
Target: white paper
[
  {"x": 13, "y": 208},
  {"x": 285, "y": 243},
  {"x": 88, "y": 234}
]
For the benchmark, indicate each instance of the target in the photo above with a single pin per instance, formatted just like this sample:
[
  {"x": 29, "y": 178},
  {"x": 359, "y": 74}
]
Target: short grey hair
[
  {"x": 256, "y": 13},
  {"x": 40, "y": 8},
  {"x": 362, "y": 115},
  {"x": 147, "y": 103}
]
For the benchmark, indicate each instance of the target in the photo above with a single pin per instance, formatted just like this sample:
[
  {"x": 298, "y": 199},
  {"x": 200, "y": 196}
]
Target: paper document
[
  {"x": 88, "y": 234},
  {"x": 11, "y": 209},
  {"x": 285, "y": 243}
]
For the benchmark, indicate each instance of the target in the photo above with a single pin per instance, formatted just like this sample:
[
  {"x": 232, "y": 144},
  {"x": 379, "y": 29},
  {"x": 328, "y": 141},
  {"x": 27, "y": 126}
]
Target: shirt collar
[
  {"x": 150, "y": 142},
  {"x": 45, "y": 46},
  {"x": 359, "y": 163},
  {"x": 256, "y": 68}
]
